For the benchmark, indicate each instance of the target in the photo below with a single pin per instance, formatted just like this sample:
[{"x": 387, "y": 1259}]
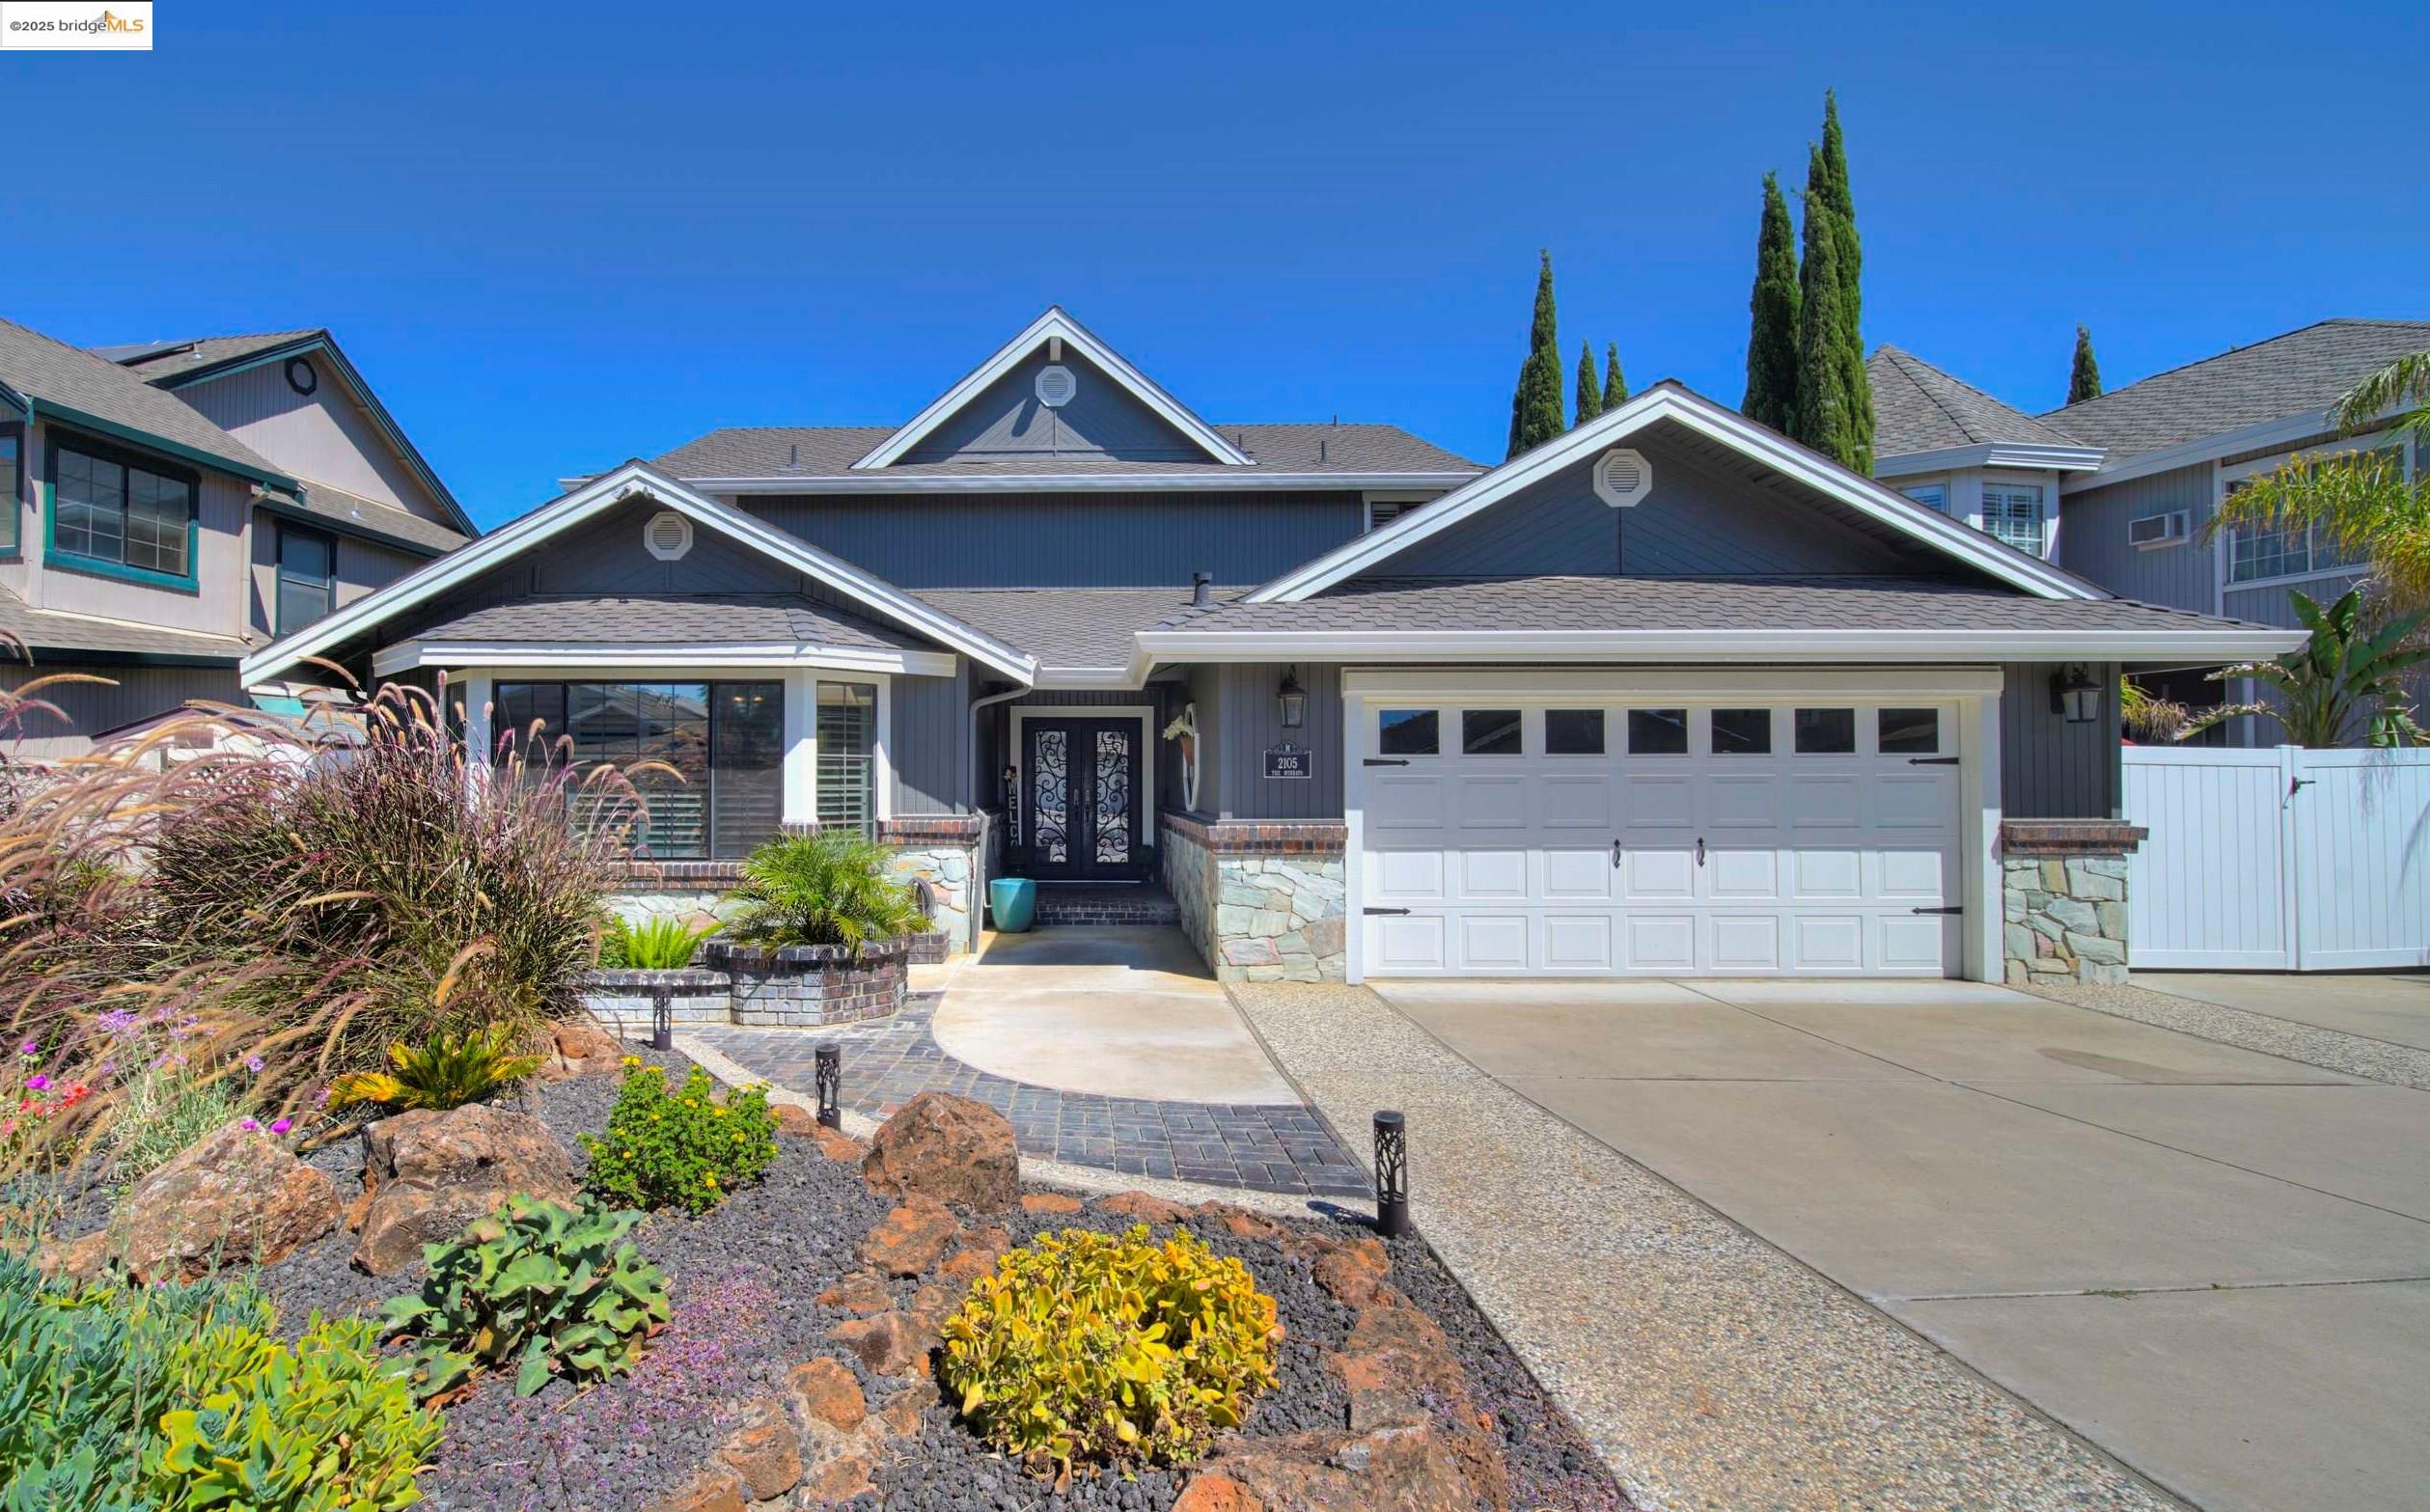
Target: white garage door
[{"x": 1585, "y": 839}]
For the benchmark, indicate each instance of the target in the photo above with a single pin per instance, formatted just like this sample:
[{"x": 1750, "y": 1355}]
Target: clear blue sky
[{"x": 555, "y": 238}]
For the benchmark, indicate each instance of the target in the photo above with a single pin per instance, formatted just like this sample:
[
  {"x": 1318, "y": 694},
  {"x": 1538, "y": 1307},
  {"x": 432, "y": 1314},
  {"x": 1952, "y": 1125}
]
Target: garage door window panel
[
  {"x": 1826, "y": 731},
  {"x": 1573, "y": 733},
  {"x": 1742, "y": 732},
  {"x": 1409, "y": 732},
  {"x": 1909, "y": 731},
  {"x": 1657, "y": 732},
  {"x": 1490, "y": 733}
]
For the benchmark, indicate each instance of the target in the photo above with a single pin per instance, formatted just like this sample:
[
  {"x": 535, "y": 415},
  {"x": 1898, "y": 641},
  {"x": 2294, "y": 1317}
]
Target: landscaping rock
[
  {"x": 840, "y": 1480},
  {"x": 1239, "y": 1222},
  {"x": 430, "y": 1174},
  {"x": 580, "y": 1047},
  {"x": 1351, "y": 1272},
  {"x": 912, "y": 1238},
  {"x": 1050, "y": 1204},
  {"x": 237, "y": 1197},
  {"x": 1143, "y": 1207},
  {"x": 710, "y": 1491},
  {"x": 764, "y": 1454},
  {"x": 825, "y": 1392},
  {"x": 838, "y": 1145},
  {"x": 1391, "y": 1469},
  {"x": 794, "y": 1121},
  {"x": 1212, "y": 1491},
  {"x": 889, "y": 1344},
  {"x": 863, "y": 1292},
  {"x": 948, "y": 1147}
]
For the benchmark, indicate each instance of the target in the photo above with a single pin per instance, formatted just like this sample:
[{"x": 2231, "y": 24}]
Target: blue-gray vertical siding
[
  {"x": 1068, "y": 539},
  {"x": 87, "y": 709},
  {"x": 1251, "y": 720},
  {"x": 929, "y": 735},
  {"x": 1101, "y": 419},
  {"x": 2050, "y": 769},
  {"x": 2093, "y": 538}
]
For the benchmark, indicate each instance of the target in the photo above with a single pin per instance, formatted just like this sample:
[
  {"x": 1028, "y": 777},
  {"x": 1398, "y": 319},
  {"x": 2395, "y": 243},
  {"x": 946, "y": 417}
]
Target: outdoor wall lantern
[
  {"x": 830, "y": 1083},
  {"x": 2074, "y": 694},
  {"x": 1391, "y": 1174},
  {"x": 1294, "y": 700}
]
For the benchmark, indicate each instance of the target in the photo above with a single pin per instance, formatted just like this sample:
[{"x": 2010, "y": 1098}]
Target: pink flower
[
  {"x": 252, "y": 1126},
  {"x": 36, "y": 1082},
  {"x": 27, "y": 1049},
  {"x": 281, "y": 1126},
  {"x": 253, "y": 1063}
]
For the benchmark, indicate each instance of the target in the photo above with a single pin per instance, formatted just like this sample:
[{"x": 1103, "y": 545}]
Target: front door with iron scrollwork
[{"x": 1080, "y": 800}]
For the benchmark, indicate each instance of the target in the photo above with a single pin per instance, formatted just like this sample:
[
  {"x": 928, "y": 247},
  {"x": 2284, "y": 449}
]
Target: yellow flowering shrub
[
  {"x": 1084, "y": 1347},
  {"x": 679, "y": 1147}
]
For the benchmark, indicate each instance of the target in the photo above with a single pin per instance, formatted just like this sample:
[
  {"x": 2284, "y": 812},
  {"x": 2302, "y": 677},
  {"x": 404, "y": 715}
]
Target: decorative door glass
[
  {"x": 1050, "y": 838},
  {"x": 1112, "y": 810}
]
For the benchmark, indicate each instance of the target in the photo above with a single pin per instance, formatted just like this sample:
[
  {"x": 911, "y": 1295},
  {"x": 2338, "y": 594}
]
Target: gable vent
[
  {"x": 668, "y": 536},
  {"x": 1622, "y": 478},
  {"x": 1056, "y": 386}
]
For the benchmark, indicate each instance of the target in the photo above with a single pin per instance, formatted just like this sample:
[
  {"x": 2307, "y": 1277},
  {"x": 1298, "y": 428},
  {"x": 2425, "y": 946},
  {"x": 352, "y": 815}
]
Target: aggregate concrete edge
[
  {"x": 1055, "y": 1173},
  {"x": 2329, "y": 1049},
  {"x": 1711, "y": 1369}
]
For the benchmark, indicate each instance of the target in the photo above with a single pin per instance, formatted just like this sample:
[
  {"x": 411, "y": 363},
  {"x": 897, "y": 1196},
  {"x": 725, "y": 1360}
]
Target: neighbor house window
[
  {"x": 706, "y": 758},
  {"x": 2013, "y": 513},
  {"x": 1932, "y": 496},
  {"x": 11, "y": 485},
  {"x": 308, "y": 577},
  {"x": 2253, "y": 555},
  {"x": 847, "y": 756},
  {"x": 112, "y": 511}
]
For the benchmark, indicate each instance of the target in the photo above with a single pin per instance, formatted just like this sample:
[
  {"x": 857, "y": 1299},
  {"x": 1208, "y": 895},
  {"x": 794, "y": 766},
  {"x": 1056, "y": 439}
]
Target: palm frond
[
  {"x": 2402, "y": 383},
  {"x": 832, "y": 886}
]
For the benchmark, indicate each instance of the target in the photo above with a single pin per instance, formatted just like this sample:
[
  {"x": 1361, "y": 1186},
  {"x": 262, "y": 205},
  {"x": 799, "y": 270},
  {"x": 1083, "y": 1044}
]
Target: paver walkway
[{"x": 1712, "y": 1369}]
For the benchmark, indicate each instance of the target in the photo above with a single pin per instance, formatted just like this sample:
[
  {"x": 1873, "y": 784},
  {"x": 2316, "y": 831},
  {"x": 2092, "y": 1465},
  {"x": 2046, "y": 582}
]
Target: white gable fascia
[
  {"x": 599, "y": 495},
  {"x": 1995, "y": 454},
  {"x": 1728, "y": 427},
  {"x": 2302, "y": 425},
  {"x": 1053, "y": 324}
]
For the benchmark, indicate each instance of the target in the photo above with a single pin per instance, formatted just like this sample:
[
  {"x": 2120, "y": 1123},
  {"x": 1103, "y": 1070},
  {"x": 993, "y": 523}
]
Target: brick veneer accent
[
  {"x": 931, "y": 829},
  {"x": 810, "y": 984},
  {"x": 1260, "y": 837},
  {"x": 2023, "y": 837}
]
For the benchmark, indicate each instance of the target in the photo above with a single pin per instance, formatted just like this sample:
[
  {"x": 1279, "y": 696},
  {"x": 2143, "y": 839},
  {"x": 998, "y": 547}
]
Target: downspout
[{"x": 969, "y": 763}]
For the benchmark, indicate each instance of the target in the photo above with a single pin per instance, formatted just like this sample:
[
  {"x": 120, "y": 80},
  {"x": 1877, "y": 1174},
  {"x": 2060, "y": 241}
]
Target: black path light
[
  {"x": 661, "y": 1018},
  {"x": 1392, "y": 1173},
  {"x": 830, "y": 1082}
]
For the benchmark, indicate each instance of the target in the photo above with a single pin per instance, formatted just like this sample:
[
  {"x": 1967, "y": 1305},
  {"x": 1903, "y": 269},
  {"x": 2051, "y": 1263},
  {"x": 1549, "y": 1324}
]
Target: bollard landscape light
[
  {"x": 1391, "y": 1174},
  {"x": 830, "y": 1082},
  {"x": 661, "y": 1019}
]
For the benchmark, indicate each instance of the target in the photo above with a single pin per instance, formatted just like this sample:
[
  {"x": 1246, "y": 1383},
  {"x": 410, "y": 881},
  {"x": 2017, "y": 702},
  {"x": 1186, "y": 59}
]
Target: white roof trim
[
  {"x": 1053, "y": 324},
  {"x": 604, "y": 493},
  {"x": 1377, "y": 647},
  {"x": 2298, "y": 426},
  {"x": 1071, "y": 482},
  {"x": 410, "y": 654},
  {"x": 1670, "y": 401},
  {"x": 1995, "y": 454}
]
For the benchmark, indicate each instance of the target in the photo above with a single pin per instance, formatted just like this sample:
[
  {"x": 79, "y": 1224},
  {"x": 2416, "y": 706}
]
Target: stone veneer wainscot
[
  {"x": 2063, "y": 900},
  {"x": 1262, "y": 900}
]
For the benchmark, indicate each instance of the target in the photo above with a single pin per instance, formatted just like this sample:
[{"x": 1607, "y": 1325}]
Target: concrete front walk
[
  {"x": 2214, "y": 1263},
  {"x": 2375, "y": 1005}
]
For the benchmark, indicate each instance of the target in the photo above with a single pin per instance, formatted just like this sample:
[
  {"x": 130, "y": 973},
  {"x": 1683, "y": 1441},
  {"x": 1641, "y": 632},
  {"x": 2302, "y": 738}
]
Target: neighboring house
[
  {"x": 167, "y": 508},
  {"x": 2118, "y": 488},
  {"x": 1666, "y": 694}
]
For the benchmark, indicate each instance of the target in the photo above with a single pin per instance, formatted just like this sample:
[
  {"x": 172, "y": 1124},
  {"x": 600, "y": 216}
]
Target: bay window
[
  {"x": 847, "y": 756},
  {"x": 2013, "y": 513},
  {"x": 114, "y": 513},
  {"x": 707, "y": 759}
]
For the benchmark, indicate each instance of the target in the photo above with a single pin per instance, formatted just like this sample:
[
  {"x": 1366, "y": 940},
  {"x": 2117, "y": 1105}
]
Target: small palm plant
[
  {"x": 446, "y": 1071},
  {"x": 826, "y": 888},
  {"x": 654, "y": 944},
  {"x": 2350, "y": 674}
]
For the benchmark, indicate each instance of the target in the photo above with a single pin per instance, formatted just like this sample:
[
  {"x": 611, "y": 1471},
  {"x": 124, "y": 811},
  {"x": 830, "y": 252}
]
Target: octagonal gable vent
[
  {"x": 1056, "y": 386},
  {"x": 668, "y": 536},
  {"x": 1622, "y": 478}
]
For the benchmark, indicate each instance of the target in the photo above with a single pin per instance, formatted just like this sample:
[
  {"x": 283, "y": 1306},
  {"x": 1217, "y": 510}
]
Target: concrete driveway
[
  {"x": 2213, "y": 1263},
  {"x": 2376, "y": 1006}
]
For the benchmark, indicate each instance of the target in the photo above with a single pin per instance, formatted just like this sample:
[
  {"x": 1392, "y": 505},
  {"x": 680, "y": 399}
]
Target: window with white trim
[
  {"x": 1932, "y": 496},
  {"x": 847, "y": 756},
  {"x": 2012, "y": 512},
  {"x": 2255, "y": 556}
]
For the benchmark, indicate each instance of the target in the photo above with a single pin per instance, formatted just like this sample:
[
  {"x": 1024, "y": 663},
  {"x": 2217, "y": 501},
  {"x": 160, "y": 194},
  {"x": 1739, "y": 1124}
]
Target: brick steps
[{"x": 1068, "y": 906}]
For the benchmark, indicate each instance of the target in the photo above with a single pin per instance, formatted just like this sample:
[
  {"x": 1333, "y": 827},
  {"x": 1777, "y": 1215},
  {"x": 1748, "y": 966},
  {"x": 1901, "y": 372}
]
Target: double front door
[{"x": 1080, "y": 799}]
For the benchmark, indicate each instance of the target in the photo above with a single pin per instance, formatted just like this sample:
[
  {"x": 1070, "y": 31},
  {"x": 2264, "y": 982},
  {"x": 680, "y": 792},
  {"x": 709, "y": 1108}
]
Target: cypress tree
[
  {"x": 1822, "y": 419},
  {"x": 1614, "y": 387},
  {"x": 1840, "y": 200},
  {"x": 1535, "y": 416},
  {"x": 2083, "y": 381},
  {"x": 1772, "y": 317},
  {"x": 1590, "y": 393}
]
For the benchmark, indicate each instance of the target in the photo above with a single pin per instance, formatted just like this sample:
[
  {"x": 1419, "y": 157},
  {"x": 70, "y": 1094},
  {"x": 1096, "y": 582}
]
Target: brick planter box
[
  {"x": 811, "y": 984},
  {"x": 626, "y": 1001}
]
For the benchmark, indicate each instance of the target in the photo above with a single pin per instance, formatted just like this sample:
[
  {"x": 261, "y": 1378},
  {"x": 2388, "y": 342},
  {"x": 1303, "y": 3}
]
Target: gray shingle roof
[
  {"x": 772, "y": 620},
  {"x": 1916, "y": 407},
  {"x": 51, "y": 370},
  {"x": 1067, "y": 628},
  {"x": 830, "y": 451},
  {"x": 1611, "y": 603},
  {"x": 161, "y": 360},
  {"x": 2303, "y": 369},
  {"x": 346, "y": 510},
  {"x": 48, "y": 632}
]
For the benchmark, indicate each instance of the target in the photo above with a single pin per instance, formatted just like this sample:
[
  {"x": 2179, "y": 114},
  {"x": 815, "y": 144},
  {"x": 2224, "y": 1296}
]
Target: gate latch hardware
[
  {"x": 1947, "y": 908},
  {"x": 1385, "y": 761},
  {"x": 1383, "y": 911},
  {"x": 1932, "y": 760}
]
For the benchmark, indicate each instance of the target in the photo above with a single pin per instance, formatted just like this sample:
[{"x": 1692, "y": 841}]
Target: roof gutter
[
  {"x": 1994, "y": 453},
  {"x": 1070, "y": 483},
  {"x": 2206, "y": 648}
]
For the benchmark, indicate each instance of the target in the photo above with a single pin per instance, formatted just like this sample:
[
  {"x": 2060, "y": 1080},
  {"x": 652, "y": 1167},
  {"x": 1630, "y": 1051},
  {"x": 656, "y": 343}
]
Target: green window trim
[
  {"x": 12, "y": 490},
  {"x": 293, "y": 570},
  {"x": 68, "y": 560}
]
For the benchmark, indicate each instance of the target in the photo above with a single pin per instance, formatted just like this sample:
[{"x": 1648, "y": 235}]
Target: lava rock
[
  {"x": 1146, "y": 1209},
  {"x": 889, "y": 1344},
  {"x": 913, "y": 1238},
  {"x": 430, "y": 1174},
  {"x": 1050, "y": 1204},
  {"x": 237, "y": 1197},
  {"x": 949, "y": 1148}
]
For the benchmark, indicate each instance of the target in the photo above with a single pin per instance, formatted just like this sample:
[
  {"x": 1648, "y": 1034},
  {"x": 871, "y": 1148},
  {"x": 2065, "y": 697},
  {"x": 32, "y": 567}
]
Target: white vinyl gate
[{"x": 2278, "y": 860}]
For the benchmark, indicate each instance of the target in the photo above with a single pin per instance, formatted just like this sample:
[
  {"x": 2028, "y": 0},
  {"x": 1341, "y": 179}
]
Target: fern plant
[
  {"x": 827, "y": 887},
  {"x": 446, "y": 1071},
  {"x": 654, "y": 944}
]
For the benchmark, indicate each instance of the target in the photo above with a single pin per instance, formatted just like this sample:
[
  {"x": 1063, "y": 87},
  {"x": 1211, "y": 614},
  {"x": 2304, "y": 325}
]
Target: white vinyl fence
[{"x": 2278, "y": 860}]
